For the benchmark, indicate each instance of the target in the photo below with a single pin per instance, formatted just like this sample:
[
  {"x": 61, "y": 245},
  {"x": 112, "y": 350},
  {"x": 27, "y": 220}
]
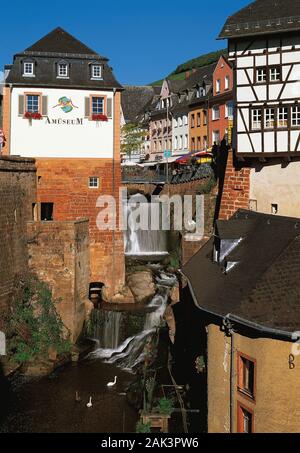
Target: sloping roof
[
  {"x": 262, "y": 17},
  {"x": 48, "y": 51},
  {"x": 264, "y": 287},
  {"x": 136, "y": 99},
  {"x": 61, "y": 42}
]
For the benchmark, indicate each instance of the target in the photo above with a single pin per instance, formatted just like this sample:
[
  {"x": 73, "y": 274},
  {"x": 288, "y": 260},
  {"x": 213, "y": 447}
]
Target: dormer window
[
  {"x": 28, "y": 69},
  {"x": 96, "y": 71},
  {"x": 63, "y": 70}
]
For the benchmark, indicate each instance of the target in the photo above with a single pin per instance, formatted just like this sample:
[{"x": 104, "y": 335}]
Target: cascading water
[
  {"x": 145, "y": 241},
  {"x": 106, "y": 329},
  {"x": 132, "y": 351}
]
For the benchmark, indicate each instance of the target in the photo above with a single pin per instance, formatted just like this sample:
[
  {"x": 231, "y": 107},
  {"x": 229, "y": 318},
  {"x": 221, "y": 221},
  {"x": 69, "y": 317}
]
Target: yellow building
[
  {"x": 248, "y": 297},
  {"x": 198, "y": 126}
]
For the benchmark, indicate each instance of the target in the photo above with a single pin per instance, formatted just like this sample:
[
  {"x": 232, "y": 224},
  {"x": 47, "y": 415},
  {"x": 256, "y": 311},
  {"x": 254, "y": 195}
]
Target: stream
[{"x": 48, "y": 404}]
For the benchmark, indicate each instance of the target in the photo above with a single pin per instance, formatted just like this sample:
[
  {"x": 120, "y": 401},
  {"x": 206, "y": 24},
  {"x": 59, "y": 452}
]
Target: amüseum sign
[{"x": 62, "y": 121}]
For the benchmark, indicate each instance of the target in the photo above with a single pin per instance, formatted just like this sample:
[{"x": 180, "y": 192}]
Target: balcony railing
[{"x": 183, "y": 175}]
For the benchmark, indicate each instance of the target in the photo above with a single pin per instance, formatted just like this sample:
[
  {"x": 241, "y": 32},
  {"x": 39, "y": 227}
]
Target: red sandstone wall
[
  {"x": 59, "y": 255},
  {"x": 236, "y": 189},
  {"x": 17, "y": 193},
  {"x": 64, "y": 182}
]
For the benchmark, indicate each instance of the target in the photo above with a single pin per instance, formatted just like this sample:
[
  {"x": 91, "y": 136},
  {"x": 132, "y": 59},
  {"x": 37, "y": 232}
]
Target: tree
[{"x": 133, "y": 138}]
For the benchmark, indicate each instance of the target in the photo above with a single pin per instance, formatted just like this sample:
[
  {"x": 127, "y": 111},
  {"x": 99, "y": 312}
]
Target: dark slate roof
[
  {"x": 61, "y": 42},
  {"x": 59, "y": 45},
  {"x": 263, "y": 17},
  {"x": 136, "y": 99},
  {"x": 264, "y": 287}
]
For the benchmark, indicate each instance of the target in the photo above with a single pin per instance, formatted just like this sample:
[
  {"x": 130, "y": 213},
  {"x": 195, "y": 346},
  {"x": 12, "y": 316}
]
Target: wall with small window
[
  {"x": 274, "y": 184},
  {"x": 62, "y": 122},
  {"x": 265, "y": 387}
]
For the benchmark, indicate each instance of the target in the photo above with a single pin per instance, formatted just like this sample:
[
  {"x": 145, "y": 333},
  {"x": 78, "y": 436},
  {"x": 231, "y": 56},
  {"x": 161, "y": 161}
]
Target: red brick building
[{"x": 221, "y": 104}]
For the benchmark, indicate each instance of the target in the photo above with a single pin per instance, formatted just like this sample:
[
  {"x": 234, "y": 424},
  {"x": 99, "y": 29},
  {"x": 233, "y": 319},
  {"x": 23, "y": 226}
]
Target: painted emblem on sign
[{"x": 65, "y": 104}]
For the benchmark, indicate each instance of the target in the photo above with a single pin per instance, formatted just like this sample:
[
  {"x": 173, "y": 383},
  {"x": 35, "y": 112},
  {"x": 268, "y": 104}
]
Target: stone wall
[
  {"x": 235, "y": 189},
  {"x": 65, "y": 182},
  {"x": 17, "y": 194},
  {"x": 59, "y": 255},
  {"x": 277, "y": 400}
]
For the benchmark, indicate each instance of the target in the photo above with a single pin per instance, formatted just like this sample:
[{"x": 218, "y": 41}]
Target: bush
[
  {"x": 165, "y": 406},
  {"x": 142, "y": 428},
  {"x": 34, "y": 325}
]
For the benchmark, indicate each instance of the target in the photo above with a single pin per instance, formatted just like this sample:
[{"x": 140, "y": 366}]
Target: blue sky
[{"x": 145, "y": 40}]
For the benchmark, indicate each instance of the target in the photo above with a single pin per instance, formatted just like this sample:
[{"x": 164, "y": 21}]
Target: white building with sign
[{"x": 62, "y": 106}]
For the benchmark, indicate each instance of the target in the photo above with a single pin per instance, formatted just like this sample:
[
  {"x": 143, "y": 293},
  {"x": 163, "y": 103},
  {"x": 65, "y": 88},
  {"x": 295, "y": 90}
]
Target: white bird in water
[
  {"x": 89, "y": 404},
  {"x": 112, "y": 384}
]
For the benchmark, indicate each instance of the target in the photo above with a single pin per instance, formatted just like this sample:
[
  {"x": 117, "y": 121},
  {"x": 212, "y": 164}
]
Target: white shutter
[
  {"x": 109, "y": 108},
  {"x": 87, "y": 107},
  {"x": 45, "y": 105},
  {"x": 21, "y": 104}
]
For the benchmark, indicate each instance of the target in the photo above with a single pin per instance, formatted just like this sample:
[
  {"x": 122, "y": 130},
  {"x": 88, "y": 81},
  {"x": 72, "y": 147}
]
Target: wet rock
[
  {"x": 39, "y": 369},
  {"x": 124, "y": 297},
  {"x": 170, "y": 319},
  {"x": 175, "y": 295},
  {"x": 141, "y": 285}
]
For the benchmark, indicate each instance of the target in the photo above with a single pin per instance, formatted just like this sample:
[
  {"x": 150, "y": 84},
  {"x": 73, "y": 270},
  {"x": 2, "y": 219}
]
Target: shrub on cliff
[{"x": 35, "y": 328}]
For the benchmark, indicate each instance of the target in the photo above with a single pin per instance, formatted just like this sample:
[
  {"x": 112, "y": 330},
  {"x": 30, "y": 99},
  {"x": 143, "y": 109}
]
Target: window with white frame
[
  {"x": 96, "y": 71},
  {"x": 185, "y": 120},
  {"x": 28, "y": 69},
  {"x": 227, "y": 82},
  {"x": 216, "y": 112},
  {"x": 176, "y": 142},
  {"x": 180, "y": 142},
  {"x": 33, "y": 103},
  {"x": 93, "y": 182},
  {"x": 179, "y": 121},
  {"x": 275, "y": 74},
  {"x": 283, "y": 116},
  {"x": 97, "y": 105},
  {"x": 216, "y": 137},
  {"x": 175, "y": 122},
  {"x": 218, "y": 86},
  {"x": 261, "y": 75},
  {"x": 269, "y": 118},
  {"x": 229, "y": 110},
  {"x": 256, "y": 119},
  {"x": 186, "y": 141},
  {"x": 62, "y": 70},
  {"x": 296, "y": 115}
]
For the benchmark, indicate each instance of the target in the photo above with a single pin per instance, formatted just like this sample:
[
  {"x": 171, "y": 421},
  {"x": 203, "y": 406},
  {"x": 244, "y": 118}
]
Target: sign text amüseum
[{"x": 61, "y": 121}]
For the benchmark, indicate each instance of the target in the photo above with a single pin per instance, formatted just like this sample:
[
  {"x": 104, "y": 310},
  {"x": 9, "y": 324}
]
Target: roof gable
[{"x": 58, "y": 41}]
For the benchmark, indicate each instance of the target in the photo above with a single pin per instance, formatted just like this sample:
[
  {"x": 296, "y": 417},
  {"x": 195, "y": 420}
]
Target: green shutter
[
  {"x": 87, "y": 107},
  {"x": 109, "y": 108},
  {"x": 45, "y": 105},
  {"x": 21, "y": 104}
]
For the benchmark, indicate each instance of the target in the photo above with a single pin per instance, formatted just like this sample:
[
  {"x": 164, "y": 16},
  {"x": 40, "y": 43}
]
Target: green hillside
[{"x": 203, "y": 60}]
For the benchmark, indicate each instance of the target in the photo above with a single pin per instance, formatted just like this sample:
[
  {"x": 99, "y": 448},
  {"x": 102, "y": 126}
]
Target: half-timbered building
[{"x": 264, "y": 48}]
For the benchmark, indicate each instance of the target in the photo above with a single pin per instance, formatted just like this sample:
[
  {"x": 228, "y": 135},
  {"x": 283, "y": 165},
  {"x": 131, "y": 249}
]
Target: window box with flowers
[
  {"x": 99, "y": 117},
  {"x": 33, "y": 115}
]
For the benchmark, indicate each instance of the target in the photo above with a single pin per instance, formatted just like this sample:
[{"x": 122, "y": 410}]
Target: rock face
[
  {"x": 125, "y": 296},
  {"x": 141, "y": 285},
  {"x": 175, "y": 295}
]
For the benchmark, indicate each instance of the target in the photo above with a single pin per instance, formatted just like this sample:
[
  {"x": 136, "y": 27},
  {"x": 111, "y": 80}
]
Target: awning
[
  {"x": 171, "y": 160},
  {"x": 184, "y": 159}
]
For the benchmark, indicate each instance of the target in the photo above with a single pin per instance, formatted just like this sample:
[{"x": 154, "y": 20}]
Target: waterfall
[
  {"x": 132, "y": 351},
  {"x": 106, "y": 328},
  {"x": 144, "y": 241}
]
